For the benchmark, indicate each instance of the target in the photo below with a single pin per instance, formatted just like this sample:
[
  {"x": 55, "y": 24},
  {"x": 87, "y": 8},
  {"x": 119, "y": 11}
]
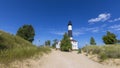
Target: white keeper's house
[{"x": 73, "y": 42}]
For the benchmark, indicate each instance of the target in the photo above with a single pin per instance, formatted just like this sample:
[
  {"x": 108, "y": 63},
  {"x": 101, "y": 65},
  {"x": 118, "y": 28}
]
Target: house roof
[{"x": 73, "y": 40}]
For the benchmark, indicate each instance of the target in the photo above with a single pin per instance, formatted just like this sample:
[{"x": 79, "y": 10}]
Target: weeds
[
  {"x": 104, "y": 52},
  {"x": 9, "y": 55}
]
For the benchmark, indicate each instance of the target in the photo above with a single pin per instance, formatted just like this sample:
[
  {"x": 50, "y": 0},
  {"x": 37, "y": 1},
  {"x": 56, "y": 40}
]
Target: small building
[
  {"x": 58, "y": 45},
  {"x": 73, "y": 42}
]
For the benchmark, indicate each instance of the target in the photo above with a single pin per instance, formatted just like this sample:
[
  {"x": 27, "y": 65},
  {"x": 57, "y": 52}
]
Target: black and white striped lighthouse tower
[{"x": 70, "y": 30}]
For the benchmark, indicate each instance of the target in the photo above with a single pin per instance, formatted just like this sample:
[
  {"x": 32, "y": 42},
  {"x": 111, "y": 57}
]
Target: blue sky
[{"x": 50, "y": 18}]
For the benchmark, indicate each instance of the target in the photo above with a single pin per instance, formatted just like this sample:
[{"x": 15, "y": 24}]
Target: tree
[
  {"x": 109, "y": 38},
  {"x": 92, "y": 41},
  {"x": 47, "y": 43},
  {"x": 54, "y": 43},
  {"x": 27, "y": 32},
  {"x": 118, "y": 41},
  {"x": 66, "y": 43}
]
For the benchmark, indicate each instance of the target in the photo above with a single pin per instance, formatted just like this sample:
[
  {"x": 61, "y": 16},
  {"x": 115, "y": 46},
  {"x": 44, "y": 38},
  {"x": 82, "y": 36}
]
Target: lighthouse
[
  {"x": 70, "y": 30},
  {"x": 73, "y": 42}
]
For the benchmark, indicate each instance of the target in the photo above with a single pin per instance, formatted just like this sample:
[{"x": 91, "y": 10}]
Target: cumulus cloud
[
  {"x": 101, "y": 18},
  {"x": 116, "y": 19}
]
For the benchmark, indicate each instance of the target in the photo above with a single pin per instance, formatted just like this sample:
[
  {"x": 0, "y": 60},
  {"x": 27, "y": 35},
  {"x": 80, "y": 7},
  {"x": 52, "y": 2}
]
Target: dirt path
[{"x": 58, "y": 59}]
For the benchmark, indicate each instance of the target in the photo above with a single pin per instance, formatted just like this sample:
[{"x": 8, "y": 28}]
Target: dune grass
[
  {"x": 104, "y": 52},
  {"x": 9, "y": 55},
  {"x": 14, "y": 48},
  {"x": 8, "y": 41}
]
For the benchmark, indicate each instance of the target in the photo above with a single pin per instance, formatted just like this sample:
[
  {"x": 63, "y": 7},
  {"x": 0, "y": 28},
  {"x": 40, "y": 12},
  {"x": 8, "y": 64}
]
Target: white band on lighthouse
[
  {"x": 69, "y": 27},
  {"x": 71, "y": 38}
]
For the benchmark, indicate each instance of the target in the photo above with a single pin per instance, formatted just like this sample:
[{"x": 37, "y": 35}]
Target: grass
[
  {"x": 103, "y": 52},
  {"x": 9, "y": 55},
  {"x": 14, "y": 48},
  {"x": 8, "y": 41},
  {"x": 79, "y": 50}
]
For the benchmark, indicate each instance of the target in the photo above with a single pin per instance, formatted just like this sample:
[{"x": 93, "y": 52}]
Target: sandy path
[{"x": 58, "y": 59}]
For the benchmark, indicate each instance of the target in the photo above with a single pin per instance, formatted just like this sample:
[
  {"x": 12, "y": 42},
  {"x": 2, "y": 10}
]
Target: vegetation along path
[{"x": 58, "y": 59}]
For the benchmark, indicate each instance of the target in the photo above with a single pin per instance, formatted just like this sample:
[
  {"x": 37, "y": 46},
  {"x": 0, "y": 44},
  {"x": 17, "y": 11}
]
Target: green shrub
[
  {"x": 79, "y": 51},
  {"x": 103, "y": 56}
]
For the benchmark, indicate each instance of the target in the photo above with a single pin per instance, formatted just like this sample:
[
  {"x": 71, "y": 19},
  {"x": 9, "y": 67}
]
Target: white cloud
[
  {"x": 93, "y": 29},
  {"x": 77, "y": 33},
  {"x": 80, "y": 31},
  {"x": 116, "y": 19},
  {"x": 104, "y": 25},
  {"x": 101, "y": 17},
  {"x": 85, "y": 30},
  {"x": 115, "y": 27},
  {"x": 118, "y": 29},
  {"x": 58, "y": 32}
]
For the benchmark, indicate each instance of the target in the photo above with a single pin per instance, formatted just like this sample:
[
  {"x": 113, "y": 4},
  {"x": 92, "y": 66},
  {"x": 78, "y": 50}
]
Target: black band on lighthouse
[{"x": 70, "y": 33}]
